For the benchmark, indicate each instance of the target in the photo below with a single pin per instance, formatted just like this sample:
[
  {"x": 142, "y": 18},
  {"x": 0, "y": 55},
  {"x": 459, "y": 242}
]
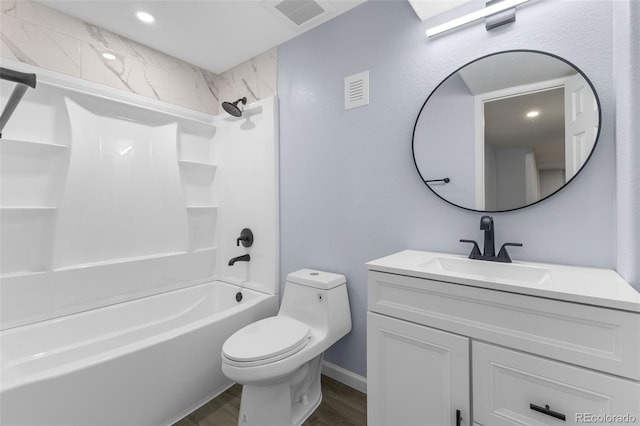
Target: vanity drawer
[
  {"x": 599, "y": 338},
  {"x": 513, "y": 388}
]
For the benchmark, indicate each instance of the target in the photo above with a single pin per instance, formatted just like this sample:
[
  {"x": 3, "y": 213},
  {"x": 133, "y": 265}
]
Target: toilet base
[{"x": 286, "y": 403}]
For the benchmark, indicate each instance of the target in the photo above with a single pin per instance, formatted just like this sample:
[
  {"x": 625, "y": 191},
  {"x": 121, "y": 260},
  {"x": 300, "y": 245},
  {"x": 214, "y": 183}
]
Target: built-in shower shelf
[
  {"x": 203, "y": 249},
  {"x": 187, "y": 163},
  {"x": 120, "y": 261},
  {"x": 201, "y": 207},
  {"x": 23, "y": 274},
  {"x": 198, "y": 182},
  {"x": 31, "y": 145},
  {"x": 27, "y": 208}
]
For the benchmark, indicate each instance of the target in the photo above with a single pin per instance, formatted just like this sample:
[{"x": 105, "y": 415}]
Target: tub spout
[{"x": 243, "y": 258}]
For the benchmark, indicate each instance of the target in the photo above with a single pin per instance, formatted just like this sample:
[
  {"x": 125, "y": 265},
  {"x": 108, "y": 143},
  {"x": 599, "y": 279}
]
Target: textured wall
[
  {"x": 349, "y": 190},
  {"x": 627, "y": 72},
  {"x": 38, "y": 35},
  {"x": 435, "y": 160}
]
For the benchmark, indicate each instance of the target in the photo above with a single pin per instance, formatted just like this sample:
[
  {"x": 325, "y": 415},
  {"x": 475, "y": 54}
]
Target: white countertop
[{"x": 577, "y": 284}]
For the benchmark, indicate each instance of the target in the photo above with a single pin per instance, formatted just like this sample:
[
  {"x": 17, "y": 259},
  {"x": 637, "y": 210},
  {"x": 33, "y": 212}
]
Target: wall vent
[
  {"x": 356, "y": 90},
  {"x": 299, "y": 11}
]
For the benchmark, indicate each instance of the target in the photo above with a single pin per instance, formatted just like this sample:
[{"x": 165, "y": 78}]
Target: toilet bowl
[{"x": 278, "y": 360}]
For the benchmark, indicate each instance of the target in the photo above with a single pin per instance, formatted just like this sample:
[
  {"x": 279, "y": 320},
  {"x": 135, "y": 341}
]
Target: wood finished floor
[{"x": 340, "y": 406}]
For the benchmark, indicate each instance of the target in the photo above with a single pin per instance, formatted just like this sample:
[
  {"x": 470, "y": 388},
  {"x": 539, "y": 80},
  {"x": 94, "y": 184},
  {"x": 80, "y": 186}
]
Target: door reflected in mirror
[{"x": 507, "y": 130}]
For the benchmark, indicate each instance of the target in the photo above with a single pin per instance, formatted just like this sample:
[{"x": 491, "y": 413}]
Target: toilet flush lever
[{"x": 246, "y": 237}]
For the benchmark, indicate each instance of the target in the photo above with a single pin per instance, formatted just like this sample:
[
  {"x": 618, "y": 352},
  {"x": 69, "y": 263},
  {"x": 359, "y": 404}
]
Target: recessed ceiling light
[
  {"x": 145, "y": 17},
  {"x": 532, "y": 114},
  {"x": 109, "y": 56}
]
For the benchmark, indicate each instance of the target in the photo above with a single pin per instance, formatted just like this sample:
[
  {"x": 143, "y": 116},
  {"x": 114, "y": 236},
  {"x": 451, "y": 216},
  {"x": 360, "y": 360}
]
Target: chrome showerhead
[{"x": 232, "y": 107}]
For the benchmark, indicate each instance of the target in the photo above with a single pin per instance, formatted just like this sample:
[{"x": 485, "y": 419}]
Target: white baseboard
[{"x": 345, "y": 376}]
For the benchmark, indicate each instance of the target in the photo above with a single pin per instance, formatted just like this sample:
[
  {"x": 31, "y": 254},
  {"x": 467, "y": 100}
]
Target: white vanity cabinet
[
  {"x": 421, "y": 374},
  {"x": 499, "y": 346}
]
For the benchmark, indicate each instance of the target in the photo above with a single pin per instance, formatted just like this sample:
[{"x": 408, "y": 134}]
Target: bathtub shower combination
[
  {"x": 143, "y": 362},
  {"x": 117, "y": 226}
]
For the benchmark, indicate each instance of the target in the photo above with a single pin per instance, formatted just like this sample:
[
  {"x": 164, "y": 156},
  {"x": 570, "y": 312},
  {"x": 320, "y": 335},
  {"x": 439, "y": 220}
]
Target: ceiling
[
  {"x": 213, "y": 34},
  {"x": 426, "y": 9}
]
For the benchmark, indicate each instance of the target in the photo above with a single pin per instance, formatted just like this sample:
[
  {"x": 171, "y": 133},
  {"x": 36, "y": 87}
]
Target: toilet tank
[{"x": 319, "y": 299}]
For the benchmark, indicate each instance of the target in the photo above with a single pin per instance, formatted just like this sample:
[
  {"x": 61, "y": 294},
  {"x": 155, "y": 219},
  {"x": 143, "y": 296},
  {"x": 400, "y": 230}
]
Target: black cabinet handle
[
  {"x": 458, "y": 418},
  {"x": 546, "y": 410}
]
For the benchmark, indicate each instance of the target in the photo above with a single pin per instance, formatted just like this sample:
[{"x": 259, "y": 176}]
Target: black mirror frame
[{"x": 595, "y": 142}]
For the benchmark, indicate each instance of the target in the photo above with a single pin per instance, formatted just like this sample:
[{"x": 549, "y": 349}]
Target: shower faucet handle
[{"x": 246, "y": 237}]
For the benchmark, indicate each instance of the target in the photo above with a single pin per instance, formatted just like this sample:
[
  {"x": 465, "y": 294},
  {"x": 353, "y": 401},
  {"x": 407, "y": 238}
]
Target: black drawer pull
[
  {"x": 548, "y": 412},
  {"x": 458, "y": 418}
]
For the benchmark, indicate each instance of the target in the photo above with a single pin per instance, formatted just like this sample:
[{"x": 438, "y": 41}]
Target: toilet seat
[{"x": 266, "y": 341}]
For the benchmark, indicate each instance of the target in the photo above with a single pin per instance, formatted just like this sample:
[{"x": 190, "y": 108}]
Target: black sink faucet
[
  {"x": 243, "y": 258},
  {"x": 486, "y": 224},
  {"x": 489, "y": 253}
]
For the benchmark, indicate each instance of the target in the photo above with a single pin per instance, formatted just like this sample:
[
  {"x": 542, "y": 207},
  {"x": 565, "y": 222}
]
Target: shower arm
[{"x": 23, "y": 82}]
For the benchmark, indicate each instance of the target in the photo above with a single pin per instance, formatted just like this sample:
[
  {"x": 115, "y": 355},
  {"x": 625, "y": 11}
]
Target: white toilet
[{"x": 278, "y": 359}]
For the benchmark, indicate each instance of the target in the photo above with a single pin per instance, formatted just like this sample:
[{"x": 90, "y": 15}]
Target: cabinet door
[
  {"x": 514, "y": 388},
  {"x": 416, "y": 375}
]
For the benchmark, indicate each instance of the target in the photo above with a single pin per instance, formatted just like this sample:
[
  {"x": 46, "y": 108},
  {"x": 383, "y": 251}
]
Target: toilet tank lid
[{"x": 317, "y": 279}]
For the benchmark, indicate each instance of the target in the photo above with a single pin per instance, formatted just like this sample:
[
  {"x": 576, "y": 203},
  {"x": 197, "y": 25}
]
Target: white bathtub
[{"x": 145, "y": 362}]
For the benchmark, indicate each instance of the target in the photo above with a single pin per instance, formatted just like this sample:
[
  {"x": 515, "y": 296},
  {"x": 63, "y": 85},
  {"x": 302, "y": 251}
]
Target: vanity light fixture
[
  {"x": 533, "y": 114},
  {"x": 145, "y": 17},
  {"x": 492, "y": 9},
  {"x": 109, "y": 56}
]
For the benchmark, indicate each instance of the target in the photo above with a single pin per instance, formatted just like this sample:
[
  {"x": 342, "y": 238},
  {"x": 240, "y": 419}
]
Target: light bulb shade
[{"x": 474, "y": 16}]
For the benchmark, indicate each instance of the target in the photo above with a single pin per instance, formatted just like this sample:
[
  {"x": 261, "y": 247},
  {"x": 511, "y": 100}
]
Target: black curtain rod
[
  {"x": 24, "y": 81},
  {"x": 18, "y": 77}
]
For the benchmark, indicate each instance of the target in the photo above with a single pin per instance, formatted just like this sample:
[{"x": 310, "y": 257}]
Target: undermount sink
[{"x": 490, "y": 271}]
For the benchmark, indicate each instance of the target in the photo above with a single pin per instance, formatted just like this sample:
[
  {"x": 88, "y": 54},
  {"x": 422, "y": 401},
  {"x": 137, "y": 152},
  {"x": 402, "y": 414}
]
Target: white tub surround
[
  {"x": 99, "y": 190},
  {"x": 143, "y": 362},
  {"x": 108, "y": 196},
  {"x": 516, "y": 343},
  {"x": 249, "y": 192}
]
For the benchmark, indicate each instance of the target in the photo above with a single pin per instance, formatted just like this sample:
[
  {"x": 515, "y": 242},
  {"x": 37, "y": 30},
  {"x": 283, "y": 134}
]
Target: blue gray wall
[
  {"x": 349, "y": 189},
  {"x": 437, "y": 145},
  {"x": 626, "y": 48}
]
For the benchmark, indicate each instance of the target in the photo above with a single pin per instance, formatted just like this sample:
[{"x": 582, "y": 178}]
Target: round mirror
[{"x": 506, "y": 131}]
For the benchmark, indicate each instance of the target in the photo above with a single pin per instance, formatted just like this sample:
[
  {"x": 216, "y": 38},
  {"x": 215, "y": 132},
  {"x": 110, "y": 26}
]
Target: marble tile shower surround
[
  {"x": 255, "y": 79},
  {"x": 37, "y": 35}
]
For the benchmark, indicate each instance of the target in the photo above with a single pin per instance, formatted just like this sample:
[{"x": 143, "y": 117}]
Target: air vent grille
[
  {"x": 356, "y": 90},
  {"x": 300, "y": 11}
]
